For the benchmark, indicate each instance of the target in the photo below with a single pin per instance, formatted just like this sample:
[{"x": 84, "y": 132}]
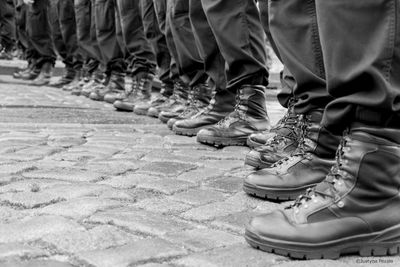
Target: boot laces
[
  {"x": 238, "y": 114},
  {"x": 326, "y": 188},
  {"x": 303, "y": 125}
]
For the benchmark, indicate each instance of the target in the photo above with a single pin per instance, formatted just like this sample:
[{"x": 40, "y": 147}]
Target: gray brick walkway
[{"x": 84, "y": 185}]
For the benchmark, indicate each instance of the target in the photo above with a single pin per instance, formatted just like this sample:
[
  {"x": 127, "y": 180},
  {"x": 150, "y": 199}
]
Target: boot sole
[
  {"x": 273, "y": 193},
  {"x": 186, "y": 132},
  {"x": 255, "y": 162},
  {"x": 375, "y": 244},
  {"x": 222, "y": 142}
]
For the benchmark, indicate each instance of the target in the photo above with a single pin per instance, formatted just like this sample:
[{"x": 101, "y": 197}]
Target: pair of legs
[
  {"x": 346, "y": 64},
  {"x": 7, "y": 28}
]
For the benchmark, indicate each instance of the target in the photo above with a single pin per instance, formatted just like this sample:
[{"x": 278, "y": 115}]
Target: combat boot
[
  {"x": 280, "y": 145},
  {"x": 355, "y": 209},
  {"x": 44, "y": 76},
  {"x": 111, "y": 92},
  {"x": 76, "y": 86},
  {"x": 198, "y": 99},
  {"x": 30, "y": 73},
  {"x": 221, "y": 105},
  {"x": 305, "y": 167},
  {"x": 177, "y": 104},
  {"x": 66, "y": 78},
  {"x": 143, "y": 102},
  {"x": 249, "y": 116},
  {"x": 127, "y": 103},
  {"x": 96, "y": 81},
  {"x": 6, "y": 54},
  {"x": 161, "y": 99},
  {"x": 261, "y": 138}
]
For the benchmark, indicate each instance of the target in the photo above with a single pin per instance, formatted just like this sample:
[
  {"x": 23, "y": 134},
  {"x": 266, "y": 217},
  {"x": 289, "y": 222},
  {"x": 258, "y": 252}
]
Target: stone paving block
[
  {"x": 198, "y": 197},
  {"x": 36, "y": 263},
  {"x": 66, "y": 141},
  {"x": 35, "y": 185},
  {"x": 19, "y": 250},
  {"x": 15, "y": 157},
  {"x": 41, "y": 151},
  {"x": 203, "y": 239},
  {"x": 98, "y": 238},
  {"x": 226, "y": 165},
  {"x": 16, "y": 168},
  {"x": 34, "y": 228},
  {"x": 65, "y": 175},
  {"x": 141, "y": 221},
  {"x": 167, "y": 168},
  {"x": 29, "y": 200},
  {"x": 139, "y": 252},
  {"x": 159, "y": 155},
  {"x": 111, "y": 167},
  {"x": 79, "y": 208},
  {"x": 156, "y": 265},
  {"x": 9, "y": 215},
  {"x": 167, "y": 186},
  {"x": 129, "y": 180},
  {"x": 226, "y": 183},
  {"x": 237, "y": 255},
  {"x": 77, "y": 190},
  {"x": 213, "y": 210},
  {"x": 179, "y": 141},
  {"x": 200, "y": 174},
  {"x": 234, "y": 222},
  {"x": 78, "y": 156},
  {"x": 149, "y": 141},
  {"x": 162, "y": 205}
]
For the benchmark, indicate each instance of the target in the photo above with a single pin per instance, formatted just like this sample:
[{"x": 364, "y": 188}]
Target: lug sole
[
  {"x": 363, "y": 245},
  {"x": 221, "y": 142},
  {"x": 273, "y": 193},
  {"x": 185, "y": 131}
]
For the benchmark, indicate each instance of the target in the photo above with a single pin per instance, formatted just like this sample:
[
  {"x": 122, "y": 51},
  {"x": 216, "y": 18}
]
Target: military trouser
[
  {"x": 181, "y": 42},
  {"x": 7, "y": 24},
  {"x": 64, "y": 33},
  {"x": 288, "y": 83},
  {"x": 214, "y": 63},
  {"x": 130, "y": 20},
  {"x": 39, "y": 32},
  {"x": 108, "y": 34},
  {"x": 161, "y": 13},
  {"x": 156, "y": 38},
  {"x": 358, "y": 66},
  {"x": 20, "y": 24},
  {"x": 240, "y": 37}
]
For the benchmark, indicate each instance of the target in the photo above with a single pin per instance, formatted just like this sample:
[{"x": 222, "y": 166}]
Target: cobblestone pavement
[{"x": 84, "y": 185}]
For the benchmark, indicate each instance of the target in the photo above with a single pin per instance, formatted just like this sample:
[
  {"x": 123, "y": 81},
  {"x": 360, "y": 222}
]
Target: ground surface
[{"x": 84, "y": 185}]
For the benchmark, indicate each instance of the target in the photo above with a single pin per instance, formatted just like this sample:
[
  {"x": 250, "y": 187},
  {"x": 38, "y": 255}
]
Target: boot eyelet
[
  {"x": 340, "y": 204},
  {"x": 296, "y": 211},
  {"x": 306, "y": 206}
]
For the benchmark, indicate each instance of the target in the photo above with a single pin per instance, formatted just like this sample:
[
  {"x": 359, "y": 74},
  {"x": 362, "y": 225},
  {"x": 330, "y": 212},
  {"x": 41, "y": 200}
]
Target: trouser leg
[
  {"x": 20, "y": 22},
  {"x": 68, "y": 28},
  {"x": 134, "y": 37},
  {"x": 237, "y": 28},
  {"x": 7, "y": 24},
  {"x": 59, "y": 44},
  {"x": 156, "y": 39},
  {"x": 186, "y": 53},
  {"x": 214, "y": 63},
  {"x": 363, "y": 71},
  {"x": 39, "y": 31},
  {"x": 300, "y": 49},
  {"x": 111, "y": 51}
]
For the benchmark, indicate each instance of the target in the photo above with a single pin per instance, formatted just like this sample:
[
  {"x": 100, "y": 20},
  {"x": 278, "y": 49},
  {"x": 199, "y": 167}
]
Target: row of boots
[{"x": 346, "y": 189}]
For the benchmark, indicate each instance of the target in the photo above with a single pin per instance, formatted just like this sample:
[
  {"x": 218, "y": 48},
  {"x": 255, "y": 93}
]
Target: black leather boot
[
  {"x": 258, "y": 139},
  {"x": 45, "y": 75},
  {"x": 177, "y": 103},
  {"x": 354, "y": 210},
  {"x": 249, "y": 116},
  {"x": 75, "y": 87},
  {"x": 198, "y": 100},
  {"x": 160, "y": 100},
  {"x": 305, "y": 167},
  {"x": 221, "y": 105},
  {"x": 95, "y": 81},
  {"x": 113, "y": 91},
  {"x": 66, "y": 78},
  {"x": 283, "y": 142},
  {"x": 143, "y": 102},
  {"x": 131, "y": 94}
]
